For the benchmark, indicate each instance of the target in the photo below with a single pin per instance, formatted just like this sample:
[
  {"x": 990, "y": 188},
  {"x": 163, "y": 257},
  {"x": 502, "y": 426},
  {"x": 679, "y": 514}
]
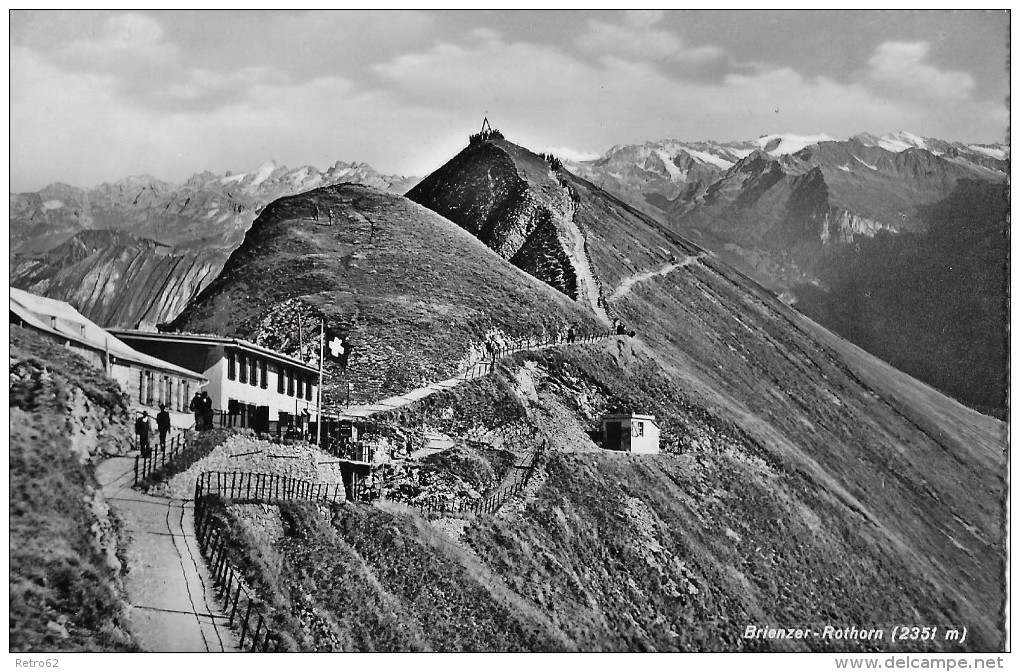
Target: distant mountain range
[
  {"x": 132, "y": 253},
  {"x": 854, "y": 233},
  {"x": 897, "y": 242}
]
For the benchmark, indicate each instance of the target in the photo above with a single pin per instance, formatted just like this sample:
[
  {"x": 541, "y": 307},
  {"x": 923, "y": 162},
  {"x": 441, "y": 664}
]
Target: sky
[{"x": 100, "y": 95}]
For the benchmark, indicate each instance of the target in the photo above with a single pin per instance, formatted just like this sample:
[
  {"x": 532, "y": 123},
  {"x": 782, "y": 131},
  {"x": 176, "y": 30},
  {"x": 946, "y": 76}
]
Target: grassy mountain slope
[
  {"x": 899, "y": 462},
  {"x": 412, "y": 290},
  {"x": 65, "y": 590}
]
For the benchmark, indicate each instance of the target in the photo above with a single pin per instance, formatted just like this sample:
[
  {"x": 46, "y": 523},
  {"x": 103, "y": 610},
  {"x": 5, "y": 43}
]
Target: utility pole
[{"x": 322, "y": 340}]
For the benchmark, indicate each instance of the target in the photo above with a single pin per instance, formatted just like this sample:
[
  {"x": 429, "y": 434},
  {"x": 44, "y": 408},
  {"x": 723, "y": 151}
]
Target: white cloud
[
  {"x": 637, "y": 37},
  {"x": 414, "y": 108},
  {"x": 899, "y": 67},
  {"x": 128, "y": 35},
  {"x": 569, "y": 154}
]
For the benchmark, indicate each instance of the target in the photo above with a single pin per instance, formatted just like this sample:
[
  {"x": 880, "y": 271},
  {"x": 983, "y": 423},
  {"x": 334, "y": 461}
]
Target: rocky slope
[
  {"x": 134, "y": 252},
  {"x": 66, "y": 591},
  {"x": 901, "y": 479},
  {"x": 117, "y": 279},
  {"x": 415, "y": 294}
]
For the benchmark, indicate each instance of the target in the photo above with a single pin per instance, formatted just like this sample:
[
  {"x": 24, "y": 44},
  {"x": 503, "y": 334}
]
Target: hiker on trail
[
  {"x": 207, "y": 410},
  {"x": 621, "y": 330},
  {"x": 142, "y": 432},
  {"x": 163, "y": 425},
  {"x": 490, "y": 350},
  {"x": 571, "y": 334},
  {"x": 196, "y": 407}
]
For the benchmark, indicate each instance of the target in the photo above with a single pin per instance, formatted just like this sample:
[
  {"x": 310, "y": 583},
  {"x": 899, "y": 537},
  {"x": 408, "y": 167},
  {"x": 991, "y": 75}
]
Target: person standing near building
[
  {"x": 207, "y": 410},
  {"x": 142, "y": 432},
  {"x": 196, "y": 407},
  {"x": 162, "y": 425}
]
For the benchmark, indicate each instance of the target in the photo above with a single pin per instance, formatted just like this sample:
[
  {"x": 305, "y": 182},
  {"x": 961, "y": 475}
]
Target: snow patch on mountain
[
  {"x": 674, "y": 172},
  {"x": 865, "y": 163},
  {"x": 715, "y": 160},
  {"x": 788, "y": 143},
  {"x": 994, "y": 152}
]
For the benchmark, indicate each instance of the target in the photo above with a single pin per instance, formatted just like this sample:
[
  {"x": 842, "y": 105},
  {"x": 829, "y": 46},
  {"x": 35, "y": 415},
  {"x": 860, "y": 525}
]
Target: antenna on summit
[{"x": 486, "y": 128}]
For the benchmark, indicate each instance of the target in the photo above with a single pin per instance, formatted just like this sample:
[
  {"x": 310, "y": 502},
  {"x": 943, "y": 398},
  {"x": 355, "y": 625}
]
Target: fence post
[
  {"x": 233, "y": 610},
  {"x": 244, "y": 626},
  {"x": 255, "y": 634},
  {"x": 265, "y": 643}
]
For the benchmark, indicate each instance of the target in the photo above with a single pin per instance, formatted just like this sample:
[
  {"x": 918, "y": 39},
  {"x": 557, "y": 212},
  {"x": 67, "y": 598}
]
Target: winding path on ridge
[
  {"x": 173, "y": 607},
  {"x": 437, "y": 442},
  {"x": 628, "y": 283}
]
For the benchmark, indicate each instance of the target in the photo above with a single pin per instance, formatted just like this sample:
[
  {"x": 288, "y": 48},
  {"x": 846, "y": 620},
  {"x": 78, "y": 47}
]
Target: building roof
[
  {"x": 631, "y": 416},
  {"x": 211, "y": 339},
  {"x": 61, "y": 319}
]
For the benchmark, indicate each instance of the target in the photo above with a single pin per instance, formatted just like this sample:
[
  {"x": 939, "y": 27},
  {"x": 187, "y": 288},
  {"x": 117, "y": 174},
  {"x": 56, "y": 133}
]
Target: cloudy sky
[{"x": 96, "y": 96}]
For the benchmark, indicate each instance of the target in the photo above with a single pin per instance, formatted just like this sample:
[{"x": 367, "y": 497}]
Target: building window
[
  {"x": 263, "y": 381},
  {"x": 231, "y": 365},
  {"x": 148, "y": 388},
  {"x": 290, "y": 383},
  {"x": 253, "y": 371},
  {"x": 279, "y": 379},
  {"x": 308, "y": 389},
  {"x": 185, "y": 396},
  {"x": 141, "y": 387},
  {"x": 639, "y": 429},
  {"x": 53, "y": 322},
  {"x": 242, "y": 364}
]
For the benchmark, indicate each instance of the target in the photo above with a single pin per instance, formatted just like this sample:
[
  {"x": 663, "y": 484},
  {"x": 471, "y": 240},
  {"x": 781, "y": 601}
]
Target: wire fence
[
  {"x": 239, "y": 600},
  {"x": 251, "y": 486},
  {"x": 158, "y": 456}
]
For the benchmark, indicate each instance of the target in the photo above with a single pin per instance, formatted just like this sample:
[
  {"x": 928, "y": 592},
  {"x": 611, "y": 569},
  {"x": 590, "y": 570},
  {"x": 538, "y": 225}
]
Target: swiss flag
[{"x": 337, "y": 348}]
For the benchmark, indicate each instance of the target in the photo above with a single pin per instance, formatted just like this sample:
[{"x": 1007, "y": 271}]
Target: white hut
[{"x": 631, "y": 433}]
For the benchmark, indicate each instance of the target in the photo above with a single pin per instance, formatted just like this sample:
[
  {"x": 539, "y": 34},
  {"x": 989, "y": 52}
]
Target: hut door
[{"x": 613, "y": 433}]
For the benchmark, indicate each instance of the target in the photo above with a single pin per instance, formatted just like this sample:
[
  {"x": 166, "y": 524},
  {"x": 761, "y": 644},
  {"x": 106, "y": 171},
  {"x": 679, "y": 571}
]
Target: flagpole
[{"x": 322, "y": 339}]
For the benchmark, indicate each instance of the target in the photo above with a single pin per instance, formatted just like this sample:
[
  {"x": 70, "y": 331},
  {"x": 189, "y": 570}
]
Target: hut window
[
  {"x": 253, "y": 371},
  {"x": 243, "y": 366},
  {"x": 231, "y": 367},
  {"x": 263, "y": 381},
  {"x": 279, "y": 379}
]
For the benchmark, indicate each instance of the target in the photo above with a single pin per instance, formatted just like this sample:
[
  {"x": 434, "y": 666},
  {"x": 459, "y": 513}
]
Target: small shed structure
[{"x": 630, "y": 432}]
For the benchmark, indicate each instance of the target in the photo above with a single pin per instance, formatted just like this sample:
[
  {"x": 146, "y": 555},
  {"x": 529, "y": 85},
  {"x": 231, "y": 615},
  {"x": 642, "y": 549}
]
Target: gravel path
[
  {"x": 173, "y": 608},
  {"x": 664, "y": 270}
]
